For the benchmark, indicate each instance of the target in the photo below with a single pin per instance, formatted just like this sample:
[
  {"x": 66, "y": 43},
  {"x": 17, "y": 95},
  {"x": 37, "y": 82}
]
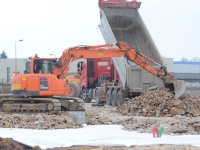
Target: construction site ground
[{"x": 156, "y": 107}]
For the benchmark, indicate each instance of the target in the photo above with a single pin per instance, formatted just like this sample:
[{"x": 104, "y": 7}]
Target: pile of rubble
[
  {"x": 161, "y": 102},
  {"x": 37, "y": 121},
  {"x": 172, "y": 125},
  {"x": 156, "y": 107}
]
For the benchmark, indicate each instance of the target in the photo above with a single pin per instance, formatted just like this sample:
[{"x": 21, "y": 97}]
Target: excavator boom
[{"x": 107, "y": 50}]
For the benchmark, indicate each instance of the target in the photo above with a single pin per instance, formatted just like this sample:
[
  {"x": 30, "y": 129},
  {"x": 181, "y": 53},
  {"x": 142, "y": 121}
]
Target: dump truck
[
  {"x": 42, "y": 89},
  {"x": 120, "y": 21}
]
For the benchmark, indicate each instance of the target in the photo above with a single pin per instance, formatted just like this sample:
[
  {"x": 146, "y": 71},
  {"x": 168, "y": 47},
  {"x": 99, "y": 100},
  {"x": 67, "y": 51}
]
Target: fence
[
  {"x": 5, "y": 89},
  {"x": 193, "y": 91},
  {"x": 4, "y": 80}
]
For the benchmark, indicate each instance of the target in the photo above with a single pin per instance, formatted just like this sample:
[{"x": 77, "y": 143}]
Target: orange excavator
[
  {"x": 74, "y": 80},
  {"x": 44, "y": 88}
]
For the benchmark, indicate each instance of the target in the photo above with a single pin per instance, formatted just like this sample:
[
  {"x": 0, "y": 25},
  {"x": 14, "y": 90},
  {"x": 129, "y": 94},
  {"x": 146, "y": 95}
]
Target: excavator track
[{"x": 51, "y": 104}]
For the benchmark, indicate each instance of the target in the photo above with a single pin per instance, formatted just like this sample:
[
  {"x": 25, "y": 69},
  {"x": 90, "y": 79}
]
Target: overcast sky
[{"x": 49, "y": 26}]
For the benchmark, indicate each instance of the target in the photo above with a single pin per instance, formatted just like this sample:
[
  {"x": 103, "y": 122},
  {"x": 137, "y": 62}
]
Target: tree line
[{"x": 195, "y": 59}]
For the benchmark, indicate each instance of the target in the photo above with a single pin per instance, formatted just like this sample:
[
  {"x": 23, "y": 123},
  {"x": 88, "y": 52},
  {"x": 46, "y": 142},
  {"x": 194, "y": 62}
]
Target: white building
[
  {"x": 7, "y": 66},
  {"x": 168, "y": 63}
]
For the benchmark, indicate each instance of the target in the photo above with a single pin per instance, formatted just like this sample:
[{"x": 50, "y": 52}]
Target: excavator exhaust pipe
[{"x": 176, "y": 86}]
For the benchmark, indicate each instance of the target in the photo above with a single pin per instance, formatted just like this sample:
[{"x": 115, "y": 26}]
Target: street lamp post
[{"x": 16, "y": 54}]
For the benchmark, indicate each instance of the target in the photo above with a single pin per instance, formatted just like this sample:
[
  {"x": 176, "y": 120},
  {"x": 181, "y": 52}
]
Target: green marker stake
[{"x": 160, "y": 132}]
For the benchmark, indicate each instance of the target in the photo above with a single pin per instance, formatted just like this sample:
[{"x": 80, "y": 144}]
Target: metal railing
[
  {"x": 193, "y": 91},
  {"x": 4, "y": 80},
  {"x": 5, "y": 89}
]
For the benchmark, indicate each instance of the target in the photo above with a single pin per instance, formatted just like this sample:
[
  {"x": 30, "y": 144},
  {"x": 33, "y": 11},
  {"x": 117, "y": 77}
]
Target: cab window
[{"x": 43, "y": 66}]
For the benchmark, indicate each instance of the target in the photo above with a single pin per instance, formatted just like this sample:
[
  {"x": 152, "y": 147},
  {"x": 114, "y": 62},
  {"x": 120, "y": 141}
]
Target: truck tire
[
  {"x": 74, "y": 89},
  {"x": 113, "y": 98},
  {"x": 120, "y": 99},
  {"x": 108, "y": 97},
  {"x": 85, "y": 96},
  {"x": 98, "y": 96}
]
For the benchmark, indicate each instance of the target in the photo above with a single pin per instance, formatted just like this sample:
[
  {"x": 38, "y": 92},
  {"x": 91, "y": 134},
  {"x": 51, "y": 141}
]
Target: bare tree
[
  {"x": 184, "y": 59},
  {"x": 196, "y": 59}
]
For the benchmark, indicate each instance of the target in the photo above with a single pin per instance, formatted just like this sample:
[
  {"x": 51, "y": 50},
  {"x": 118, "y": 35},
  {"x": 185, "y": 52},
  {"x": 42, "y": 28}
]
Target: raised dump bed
[{"x": 121, "y": 21}]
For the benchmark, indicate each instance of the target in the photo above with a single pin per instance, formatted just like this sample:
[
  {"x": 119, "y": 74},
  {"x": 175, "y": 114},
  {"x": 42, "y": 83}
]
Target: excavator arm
[
  {"x": 71, "y": 54},
  {"x": 107, "y": 50}
]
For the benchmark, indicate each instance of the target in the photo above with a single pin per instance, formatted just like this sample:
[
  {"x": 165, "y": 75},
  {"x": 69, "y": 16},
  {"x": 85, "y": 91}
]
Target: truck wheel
[
  {"x": 120, "y": 98},
  {"x": 74, "y": 89},
  {"x": 98, "y": 96},
  {"x": 113, "y": 98},
  {"x": 108, "y": 97},
  {"x": 85, "y": 96}
]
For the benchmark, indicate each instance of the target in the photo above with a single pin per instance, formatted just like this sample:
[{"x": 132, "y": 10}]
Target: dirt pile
[
  {"x": 158, "y": 107},
  {"x": 108, "y": 115},
  {"x": 172, "y": 125},
  {"x": 8, "y": 144},
  {"x": 37, "y": 121},
  {"x": 161, "y": 102}
]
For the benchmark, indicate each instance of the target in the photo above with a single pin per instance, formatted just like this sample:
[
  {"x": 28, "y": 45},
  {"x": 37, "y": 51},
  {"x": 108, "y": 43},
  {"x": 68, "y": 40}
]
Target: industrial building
[
  {"x": 7, "y": 66},
  {"x": 189, "y": 72}
]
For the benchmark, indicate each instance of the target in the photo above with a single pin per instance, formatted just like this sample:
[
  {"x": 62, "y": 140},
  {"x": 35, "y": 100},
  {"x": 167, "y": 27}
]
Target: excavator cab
[{"x": 35, "y": 65}]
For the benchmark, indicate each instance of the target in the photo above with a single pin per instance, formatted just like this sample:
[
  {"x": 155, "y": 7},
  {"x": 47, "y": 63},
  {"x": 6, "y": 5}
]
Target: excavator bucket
[{"x": 177, "y": 86}]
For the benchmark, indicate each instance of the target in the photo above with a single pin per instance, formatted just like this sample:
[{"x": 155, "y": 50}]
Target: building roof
[{"x": 186, "y": 63}]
